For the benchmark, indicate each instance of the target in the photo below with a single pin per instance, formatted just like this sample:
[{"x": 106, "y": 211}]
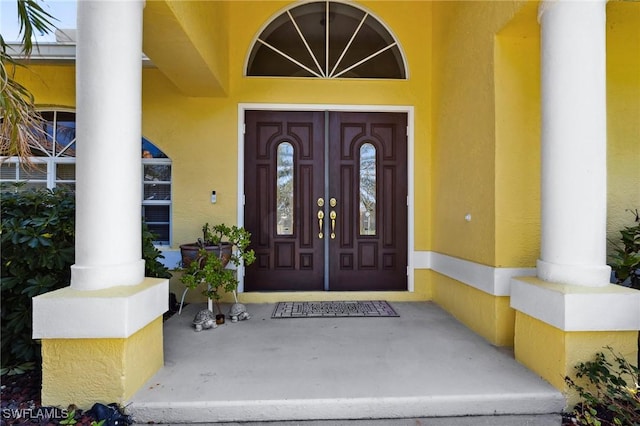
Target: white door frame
[{"x": 242, "y": 107}]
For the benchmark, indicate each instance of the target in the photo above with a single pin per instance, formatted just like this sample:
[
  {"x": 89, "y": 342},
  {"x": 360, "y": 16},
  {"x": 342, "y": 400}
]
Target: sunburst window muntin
[{"x": 326, "y": 39}]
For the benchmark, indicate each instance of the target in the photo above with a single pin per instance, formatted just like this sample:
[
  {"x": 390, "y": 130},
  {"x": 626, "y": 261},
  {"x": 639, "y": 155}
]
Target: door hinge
[
  {"x": 244, "y": 200},
  {"x": 407, "y": 270},
  {"x": 244, "y": 128},
  {"x": 407, "y": 131},
  {"x": 407, "y": 201}
]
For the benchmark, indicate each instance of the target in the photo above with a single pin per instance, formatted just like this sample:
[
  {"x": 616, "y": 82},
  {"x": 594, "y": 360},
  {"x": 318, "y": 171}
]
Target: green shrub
[
  {"x": 38, "y": 248},
  {"x": 625, "y": 261},
  {"x": 152, "y": 265},
  {"x": 37, "y": 237},
  {"x": 611, "y": 395}
]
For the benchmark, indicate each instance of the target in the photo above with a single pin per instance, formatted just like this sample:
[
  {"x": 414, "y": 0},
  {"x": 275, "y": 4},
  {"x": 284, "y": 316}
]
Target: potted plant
[{"x": 219, "y": 246}]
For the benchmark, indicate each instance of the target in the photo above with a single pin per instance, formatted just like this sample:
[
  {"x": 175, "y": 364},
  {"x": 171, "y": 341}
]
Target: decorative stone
[
  {"x": 204, "y": 320},
  {"x": 238, "y": 312}
]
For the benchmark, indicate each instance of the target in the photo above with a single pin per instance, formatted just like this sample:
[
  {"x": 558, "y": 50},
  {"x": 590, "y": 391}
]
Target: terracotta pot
[{"x": 190, "y": 252}]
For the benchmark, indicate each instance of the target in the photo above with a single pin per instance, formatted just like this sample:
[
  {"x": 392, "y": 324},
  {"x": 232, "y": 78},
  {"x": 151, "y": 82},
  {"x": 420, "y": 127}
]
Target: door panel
[
  {"x": 289, "y": 259},
  {"x": 360, "y": 260},
  {"x": 362, "y": 244}
]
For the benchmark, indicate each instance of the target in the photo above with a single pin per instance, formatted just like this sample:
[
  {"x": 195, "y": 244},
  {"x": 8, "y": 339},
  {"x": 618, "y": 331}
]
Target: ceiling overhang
[{"x": 185, "y": 42}]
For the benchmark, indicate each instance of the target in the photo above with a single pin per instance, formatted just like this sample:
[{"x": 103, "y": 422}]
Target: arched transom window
[{"x": 326, "y": 39}]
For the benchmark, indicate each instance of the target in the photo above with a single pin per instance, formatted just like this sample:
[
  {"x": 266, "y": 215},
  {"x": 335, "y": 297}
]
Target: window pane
[
  {"x": 65, "y": 171},
  {"x": 284, "y": 196},
  {"x": 34, "y": 172},
  {"x": 157, "y": 220},
  {"x": 155, "y": 213},
  {"x": 367, "y": 189},
  {"x": 65, "y": 138},
  {"x": 157, "y": 191},
  {"x": 149, "y": 150},
  {"x": 157, "y": 172},
  {"x": 161, "y": 233},
  {"x": 8, "y": 171},
  {"x": 66, "y": 185}
]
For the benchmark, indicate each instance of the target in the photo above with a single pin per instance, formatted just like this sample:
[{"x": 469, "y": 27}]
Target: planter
[
  {"x": 190, "y": 252},
  {"x": 220, "y": 319}
]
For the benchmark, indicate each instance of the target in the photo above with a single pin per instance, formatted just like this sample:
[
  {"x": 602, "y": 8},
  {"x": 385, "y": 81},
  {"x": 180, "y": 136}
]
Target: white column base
[
  {"x": 577, "y": 308},
  {"x": 115, "y": 312},
  {"x": 586, "y": 275},
  {"x": 97, "y": 277}
]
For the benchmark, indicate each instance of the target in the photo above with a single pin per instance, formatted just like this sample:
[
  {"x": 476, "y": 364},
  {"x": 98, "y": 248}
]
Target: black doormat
[{"x": 367, "y": 308}]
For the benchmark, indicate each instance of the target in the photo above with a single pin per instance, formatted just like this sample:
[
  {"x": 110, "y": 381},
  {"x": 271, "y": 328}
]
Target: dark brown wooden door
[
  {"x": 326, "y": 210},
  {"x": 368, "y": 170}
]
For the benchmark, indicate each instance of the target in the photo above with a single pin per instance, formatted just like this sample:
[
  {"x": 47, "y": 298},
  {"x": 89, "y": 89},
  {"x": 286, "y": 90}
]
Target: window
[
  {"x": 55, "y": 166},
  {"x": 326, "y": 39}
]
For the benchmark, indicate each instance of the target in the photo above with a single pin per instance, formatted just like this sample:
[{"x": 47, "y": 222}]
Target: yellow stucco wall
[
  {"x": 86, "y": 371},
  {"x": 553, "y": 353},
  {"x": 464, "y": 134},
  {"x": 489, "y": 316},
  {"x": 623, "y": 114}
]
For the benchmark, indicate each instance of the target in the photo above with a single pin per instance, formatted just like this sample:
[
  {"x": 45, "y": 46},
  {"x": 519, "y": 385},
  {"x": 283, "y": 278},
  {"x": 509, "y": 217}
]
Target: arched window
[
  {"x": 54, "y": 165},
  {"x": 326, "y": 39}
]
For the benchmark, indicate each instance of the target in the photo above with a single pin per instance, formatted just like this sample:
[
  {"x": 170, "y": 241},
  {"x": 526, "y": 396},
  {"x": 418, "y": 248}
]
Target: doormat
[{"x": 368, "y": 308}]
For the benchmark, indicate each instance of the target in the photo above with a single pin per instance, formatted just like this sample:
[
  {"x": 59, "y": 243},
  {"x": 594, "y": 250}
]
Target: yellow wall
[
  {"x": 489, "y": 316},
  {"x": 553, "y": 353},
  {"x": 85, "y": 371},
  {"x": 517, "y": 156},
  {"x": 464, "y": 129},
  {"x": 623, "y": 114}
]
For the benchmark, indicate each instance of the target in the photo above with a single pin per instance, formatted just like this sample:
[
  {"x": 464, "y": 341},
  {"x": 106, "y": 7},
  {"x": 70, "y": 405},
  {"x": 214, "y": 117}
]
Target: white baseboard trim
[{"x": 489, "y": 279}]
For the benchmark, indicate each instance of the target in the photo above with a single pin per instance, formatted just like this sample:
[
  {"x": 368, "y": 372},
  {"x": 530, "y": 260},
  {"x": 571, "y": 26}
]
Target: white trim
[
  {"x": 577, "y": 308},
  {"x": 116, "y": 312},
  {"x": 489, "y": 279},
  {"x": 409, "y": 110}
]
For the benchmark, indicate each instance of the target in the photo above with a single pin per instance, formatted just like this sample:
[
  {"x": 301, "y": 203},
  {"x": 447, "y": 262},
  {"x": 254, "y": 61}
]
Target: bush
[
  {"x": 37, "y": 237},
  {"x": 625, "y": 261},
  {"x": 38, "y": 248},
  {"x": 611, "y": 395}
]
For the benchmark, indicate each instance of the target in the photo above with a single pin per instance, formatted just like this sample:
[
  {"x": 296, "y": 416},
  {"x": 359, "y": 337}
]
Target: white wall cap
[
  {"x": 116, "y": 312},
  {"x": 489, "y": 279},
  {"x": 577, "y": 308}
]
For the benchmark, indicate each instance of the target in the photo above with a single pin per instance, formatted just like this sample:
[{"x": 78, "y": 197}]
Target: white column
[
  {"x": 108, "y": 189},
  {"x": 574, "y": 174}
]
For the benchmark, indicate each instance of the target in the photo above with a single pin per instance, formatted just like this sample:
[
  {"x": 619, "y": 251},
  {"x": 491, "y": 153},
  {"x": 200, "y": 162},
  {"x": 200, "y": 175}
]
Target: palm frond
[{"x": 21, "y": 125}]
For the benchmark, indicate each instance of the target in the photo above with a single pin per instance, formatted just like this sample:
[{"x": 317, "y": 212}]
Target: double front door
[{"x": 326, "y": 200}]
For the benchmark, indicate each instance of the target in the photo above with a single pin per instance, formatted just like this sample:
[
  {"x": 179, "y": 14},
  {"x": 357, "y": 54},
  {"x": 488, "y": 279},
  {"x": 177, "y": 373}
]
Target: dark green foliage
[
  {"x": 37, "y": 236},
  {"x": 611, "y": 396},
  {"x": 152, "y": 266},
  {"x": 626, "y": 259},
  {"x": 38, "y": 249}
]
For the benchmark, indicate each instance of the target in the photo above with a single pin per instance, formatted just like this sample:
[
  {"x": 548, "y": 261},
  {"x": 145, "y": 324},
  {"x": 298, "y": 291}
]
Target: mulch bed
[{"x": 21, "y": 405}]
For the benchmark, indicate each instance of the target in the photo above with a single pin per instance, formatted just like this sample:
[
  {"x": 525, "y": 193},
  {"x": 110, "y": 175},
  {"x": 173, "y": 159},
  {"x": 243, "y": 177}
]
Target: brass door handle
[
  {"x": 333, "y": 215},
  {"x": 320, "y": 223}
]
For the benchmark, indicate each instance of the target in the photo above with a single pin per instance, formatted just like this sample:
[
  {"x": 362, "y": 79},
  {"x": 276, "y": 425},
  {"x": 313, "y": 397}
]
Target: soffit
[{"x": 182, "y": 55}]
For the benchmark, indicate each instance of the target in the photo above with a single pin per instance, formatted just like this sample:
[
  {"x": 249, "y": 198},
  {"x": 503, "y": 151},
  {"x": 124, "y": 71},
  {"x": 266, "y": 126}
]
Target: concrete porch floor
[{"x": 422, "y": 365}]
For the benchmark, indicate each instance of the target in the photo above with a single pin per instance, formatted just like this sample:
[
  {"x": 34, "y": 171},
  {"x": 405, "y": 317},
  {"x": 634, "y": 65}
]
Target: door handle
[
  {"x": 320, "y": 223},
  {"x": 333, "y": 215}
]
